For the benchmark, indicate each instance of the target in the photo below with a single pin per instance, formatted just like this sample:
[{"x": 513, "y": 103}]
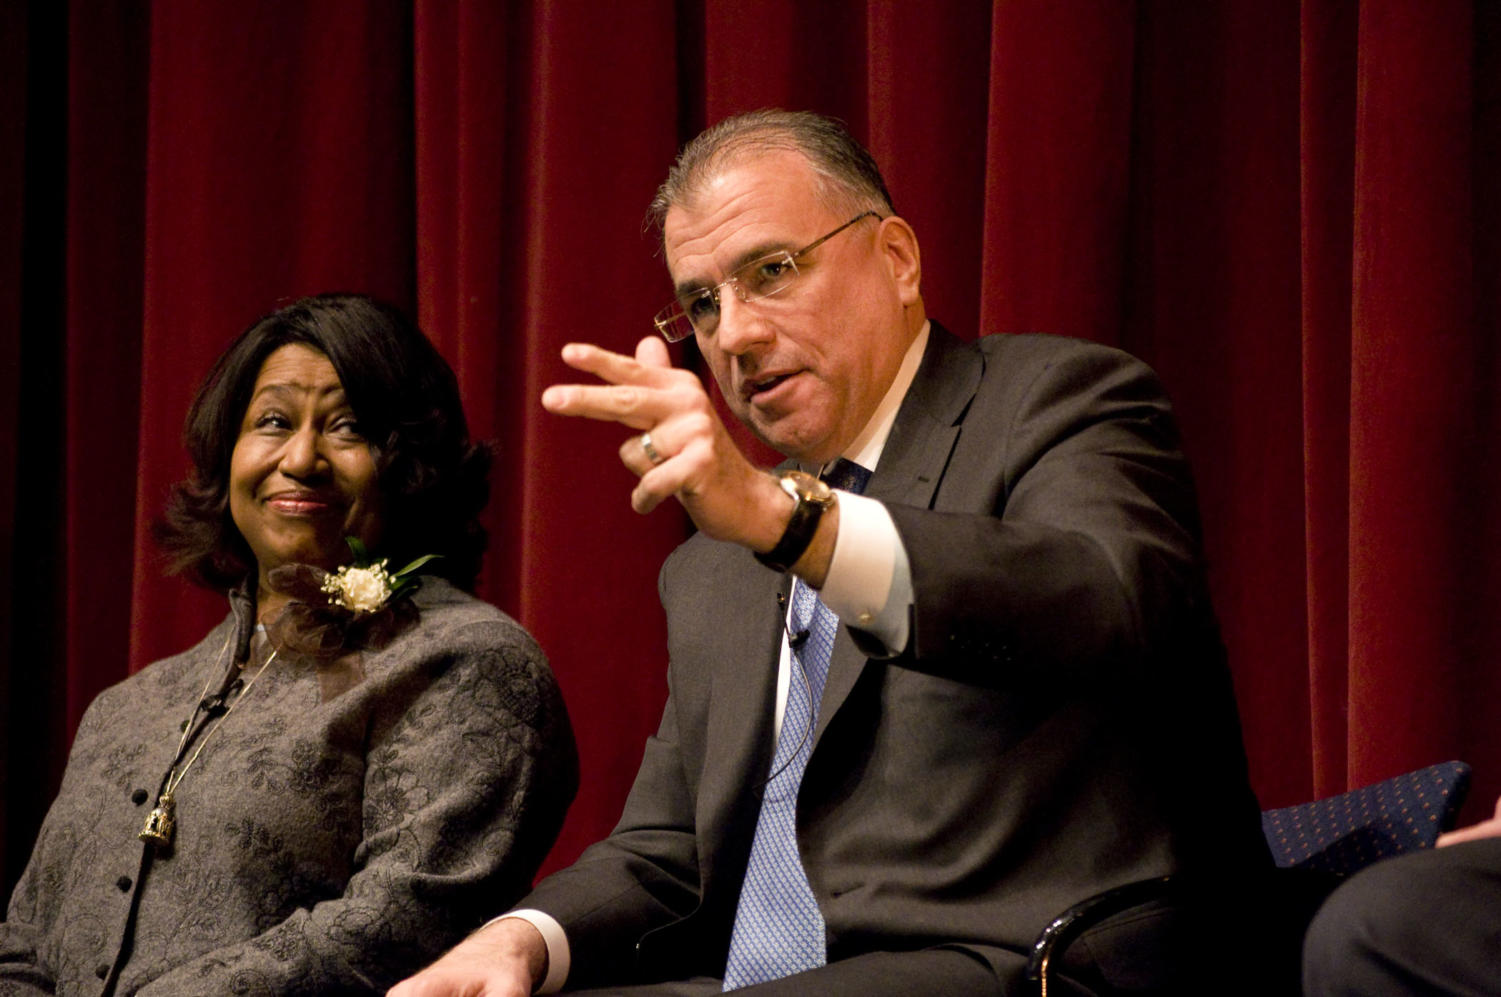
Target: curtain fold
[
  {"x": 1212, "y": 301},
  {"x": 1327, "y": 167},
  {"x": 1415, "y": 389},
  {"x": 1287, "y": 208},
  {"x": 34, "y": 98},
  {"x": 582, "y": 160},
  {"x": 102, "y": 300},
  {"x": 1057, "y": 171}
]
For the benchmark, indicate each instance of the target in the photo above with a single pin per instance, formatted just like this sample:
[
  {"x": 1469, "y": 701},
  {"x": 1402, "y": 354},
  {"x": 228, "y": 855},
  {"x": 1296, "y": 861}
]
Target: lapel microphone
[
  {"x": 794, "y": 640},
  {"x": 214, "y": 705}
]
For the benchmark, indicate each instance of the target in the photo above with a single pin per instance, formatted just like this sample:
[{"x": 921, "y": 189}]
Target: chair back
[
  {"x": 1342, "y": 834},
  {"x": 1314, "y": 844}
]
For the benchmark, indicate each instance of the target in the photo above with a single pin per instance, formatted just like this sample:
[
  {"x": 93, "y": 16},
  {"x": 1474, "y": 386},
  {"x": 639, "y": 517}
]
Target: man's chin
[{"x": 787, "y": 439}]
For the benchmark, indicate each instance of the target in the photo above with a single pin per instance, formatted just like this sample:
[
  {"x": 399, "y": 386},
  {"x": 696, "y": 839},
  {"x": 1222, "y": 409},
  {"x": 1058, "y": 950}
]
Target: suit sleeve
[
  {"x": 463, "y": 793},
  {"x": 1089, "y": 552},
  {"x": 643, "y": 876}
]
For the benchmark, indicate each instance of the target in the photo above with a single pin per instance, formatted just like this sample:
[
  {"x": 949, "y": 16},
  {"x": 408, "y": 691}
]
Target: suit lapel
[
  {"x": 912, "y": 464},
  {"x": 748, "y": 644}
]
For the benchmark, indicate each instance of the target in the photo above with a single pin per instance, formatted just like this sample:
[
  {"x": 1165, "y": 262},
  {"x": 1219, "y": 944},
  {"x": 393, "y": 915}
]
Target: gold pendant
[{"x": 160, "y": 823}]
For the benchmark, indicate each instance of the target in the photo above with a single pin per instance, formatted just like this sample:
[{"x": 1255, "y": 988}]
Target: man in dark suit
[{"x": 999, "y": 687}]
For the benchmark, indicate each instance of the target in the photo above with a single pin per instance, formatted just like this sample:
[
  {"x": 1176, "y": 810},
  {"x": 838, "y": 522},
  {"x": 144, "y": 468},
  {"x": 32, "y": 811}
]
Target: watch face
[
  {"x": 810, "y": 497},
  {"x": 806, "y": 488}
]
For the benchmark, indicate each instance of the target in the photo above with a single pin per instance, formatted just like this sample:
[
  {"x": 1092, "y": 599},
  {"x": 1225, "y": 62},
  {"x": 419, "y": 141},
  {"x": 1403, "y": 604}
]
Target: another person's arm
[{"x": 1485, "y": 829}]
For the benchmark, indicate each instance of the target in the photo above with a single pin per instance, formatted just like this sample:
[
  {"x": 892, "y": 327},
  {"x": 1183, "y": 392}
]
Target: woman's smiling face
[{"x": 301, "y": 477}]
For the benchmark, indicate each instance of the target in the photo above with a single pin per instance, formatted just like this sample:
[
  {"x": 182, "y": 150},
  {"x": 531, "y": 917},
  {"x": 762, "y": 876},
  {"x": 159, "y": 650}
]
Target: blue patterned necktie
[{"x": 778, "y": 928}]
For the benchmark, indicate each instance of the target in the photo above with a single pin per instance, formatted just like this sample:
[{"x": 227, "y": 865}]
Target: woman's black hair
[{"x": 434, "y": 481}]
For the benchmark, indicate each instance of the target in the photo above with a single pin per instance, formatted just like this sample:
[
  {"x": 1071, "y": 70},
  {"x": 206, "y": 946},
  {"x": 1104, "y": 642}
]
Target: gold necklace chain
[{"x": 161, "y": 822}]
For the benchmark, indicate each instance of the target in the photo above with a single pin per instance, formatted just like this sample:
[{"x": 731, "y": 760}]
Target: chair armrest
[{"x": 1063, "y": 929}]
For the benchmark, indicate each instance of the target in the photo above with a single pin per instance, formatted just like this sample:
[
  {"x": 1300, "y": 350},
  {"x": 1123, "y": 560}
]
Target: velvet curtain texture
[{"x": 1290, "y": 209}]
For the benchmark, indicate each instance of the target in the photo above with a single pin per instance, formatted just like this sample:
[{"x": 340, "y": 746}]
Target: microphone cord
[{"x": 795, "y": 641}]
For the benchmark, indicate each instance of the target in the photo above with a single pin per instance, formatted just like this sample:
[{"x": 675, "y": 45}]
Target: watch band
[{"x": 812, "y": 497}]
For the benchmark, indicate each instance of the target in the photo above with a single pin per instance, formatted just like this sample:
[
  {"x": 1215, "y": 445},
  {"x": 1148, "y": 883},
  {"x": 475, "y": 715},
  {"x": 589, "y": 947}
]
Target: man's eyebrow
[{"x": 751, "y": 255}]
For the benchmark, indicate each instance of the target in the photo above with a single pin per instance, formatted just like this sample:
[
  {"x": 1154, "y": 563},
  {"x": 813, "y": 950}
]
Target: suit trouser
[
  {"x": 877, "y": 974},
  {"x": 1223, "y": 963},
  {"x": 1424, "y": 923}
]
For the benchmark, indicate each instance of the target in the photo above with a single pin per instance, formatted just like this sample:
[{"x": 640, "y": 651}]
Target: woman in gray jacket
[{"x": 362, "y": 761}]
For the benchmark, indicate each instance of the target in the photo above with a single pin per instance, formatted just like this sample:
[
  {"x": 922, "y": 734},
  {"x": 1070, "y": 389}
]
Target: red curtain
[{"x": 1290, "y": 209}]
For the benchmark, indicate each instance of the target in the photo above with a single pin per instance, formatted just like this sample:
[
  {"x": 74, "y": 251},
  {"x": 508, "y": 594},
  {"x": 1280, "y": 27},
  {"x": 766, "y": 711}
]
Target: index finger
[
  {"x": 628, "y": 404},
  {"x": 652, "y": 352},
  {"x": 617, "y": 368}
]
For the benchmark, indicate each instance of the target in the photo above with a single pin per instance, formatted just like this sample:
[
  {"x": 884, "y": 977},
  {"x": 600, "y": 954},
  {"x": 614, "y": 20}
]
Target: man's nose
[{"x": 741, "y": 326}]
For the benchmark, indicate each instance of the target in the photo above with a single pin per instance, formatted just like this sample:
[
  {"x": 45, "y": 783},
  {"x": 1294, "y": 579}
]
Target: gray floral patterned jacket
[{"x": 332, "y": 836}]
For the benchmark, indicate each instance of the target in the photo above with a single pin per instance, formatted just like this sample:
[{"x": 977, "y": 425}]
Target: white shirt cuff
[
  {"x": 558, "y": 958},
  {"x": 869, "y": 584}
]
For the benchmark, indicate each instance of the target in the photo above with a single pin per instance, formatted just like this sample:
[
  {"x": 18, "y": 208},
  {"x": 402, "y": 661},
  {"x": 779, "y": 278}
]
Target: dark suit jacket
[{"x": 1061, "y": 721}]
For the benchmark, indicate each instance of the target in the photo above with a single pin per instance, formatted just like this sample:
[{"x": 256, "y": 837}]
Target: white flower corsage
[{"x": 367, "y": 586}]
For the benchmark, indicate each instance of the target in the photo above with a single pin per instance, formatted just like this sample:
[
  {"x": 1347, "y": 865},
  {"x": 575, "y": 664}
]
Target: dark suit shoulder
[
  {"x": 699, "y": 558},
  {"x": 1044, "y": 346},
  {"x": 1018, "y": 353},
  {"x": 1053, "y": 381}
]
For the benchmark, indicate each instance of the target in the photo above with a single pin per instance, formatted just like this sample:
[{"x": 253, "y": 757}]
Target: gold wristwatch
[{"x": 811, "y": 497}]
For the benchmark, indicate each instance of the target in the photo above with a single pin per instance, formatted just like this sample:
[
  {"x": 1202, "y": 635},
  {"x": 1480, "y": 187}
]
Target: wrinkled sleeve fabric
[
  {"x": 466, "y": 784},
  {"x": 36, "y": 915},
  {"x": 1089, "y": 552},
  {"x": 643, "y": 876},
  {"x": 21, "y": 972}
]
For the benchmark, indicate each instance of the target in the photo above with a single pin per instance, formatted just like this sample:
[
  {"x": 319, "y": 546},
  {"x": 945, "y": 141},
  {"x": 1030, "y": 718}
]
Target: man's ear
[{"x": 898, "y": 246}]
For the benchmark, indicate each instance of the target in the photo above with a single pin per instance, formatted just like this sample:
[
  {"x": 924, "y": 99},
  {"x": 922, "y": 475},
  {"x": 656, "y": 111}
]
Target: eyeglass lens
[
  {"x": 757, "y": 279},
  {"x": 699, "y": 311}
]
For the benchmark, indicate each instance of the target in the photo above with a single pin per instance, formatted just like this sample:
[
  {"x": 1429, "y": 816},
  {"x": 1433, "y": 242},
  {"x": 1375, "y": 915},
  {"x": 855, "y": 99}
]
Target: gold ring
[{"x": 651, "y": 451}]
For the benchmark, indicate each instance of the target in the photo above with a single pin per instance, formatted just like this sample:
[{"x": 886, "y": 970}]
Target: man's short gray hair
[{"x": 848, "y": 178}]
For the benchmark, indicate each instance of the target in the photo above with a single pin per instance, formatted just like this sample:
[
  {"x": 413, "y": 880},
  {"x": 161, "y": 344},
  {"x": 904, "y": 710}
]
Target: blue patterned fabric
[
  {"x": 847, "y": 476},
  {"x": 778, "y": 928},
  {"x": 1344, "y": 833}
]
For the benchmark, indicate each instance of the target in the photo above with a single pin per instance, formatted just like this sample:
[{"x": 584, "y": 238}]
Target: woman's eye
[
  {"x": 271, "y": 420},
  {"x": 347, "y": 427}
]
